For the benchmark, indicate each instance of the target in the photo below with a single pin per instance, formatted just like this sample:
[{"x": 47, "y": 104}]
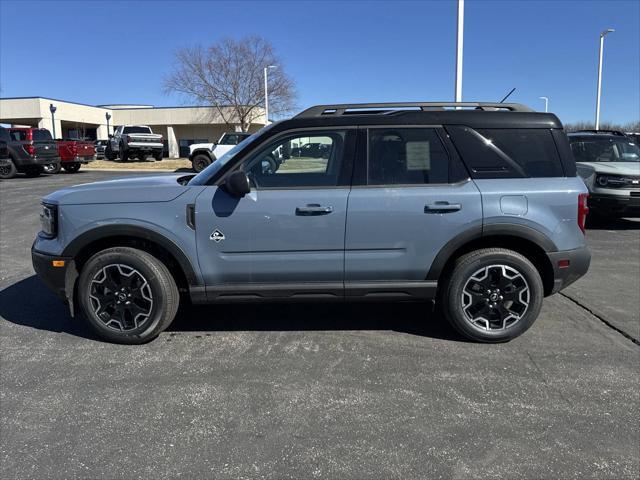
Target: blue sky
[{"x": 100, "y": 52}]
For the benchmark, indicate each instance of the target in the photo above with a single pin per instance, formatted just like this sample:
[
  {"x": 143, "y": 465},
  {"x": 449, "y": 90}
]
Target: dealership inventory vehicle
[
  {"x": 204, "y": 154},
  {"x": 73, "y": 153},
  {"x": 134, "y": 141},
  {"x": 31, "y": 150},
  {"x": 609, "y": 163},
  {"x": 474, "y": 205},
  {"x": 5, "y": 162},
  {"x": 100, "y": 146}
]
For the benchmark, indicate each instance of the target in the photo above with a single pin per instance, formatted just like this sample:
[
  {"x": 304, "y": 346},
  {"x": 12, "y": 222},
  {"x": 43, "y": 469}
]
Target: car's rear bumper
[
  {"x": 568, "y": 266},
  {"x": 36, "y": 160},
  {"x": 79, "y": 160}
]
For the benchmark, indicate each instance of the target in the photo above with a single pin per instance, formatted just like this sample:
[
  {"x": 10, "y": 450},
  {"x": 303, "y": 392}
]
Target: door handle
[
  {"x": 442, "y": 207},
  {"x": 313, "y": 209}
]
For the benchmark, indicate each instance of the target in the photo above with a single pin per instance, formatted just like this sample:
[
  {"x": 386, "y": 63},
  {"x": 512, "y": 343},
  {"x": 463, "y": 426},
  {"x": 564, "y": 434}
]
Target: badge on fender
[{"x": 216, "y": 236}]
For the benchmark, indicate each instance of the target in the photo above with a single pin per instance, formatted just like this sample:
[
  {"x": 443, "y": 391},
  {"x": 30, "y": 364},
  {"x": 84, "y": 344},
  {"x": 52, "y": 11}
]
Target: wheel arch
[
  {"x": 527, "y": 241},
  {"x": 203, "y": 151}
]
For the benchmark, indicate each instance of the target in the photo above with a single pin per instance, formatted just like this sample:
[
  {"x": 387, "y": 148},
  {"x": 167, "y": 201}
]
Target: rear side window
[
  {"x": 40, "y": 135},
  {"x": 507, "y": 153},
  {"x": 19, "y": 135},
  {"x": 409, "y": 156}
]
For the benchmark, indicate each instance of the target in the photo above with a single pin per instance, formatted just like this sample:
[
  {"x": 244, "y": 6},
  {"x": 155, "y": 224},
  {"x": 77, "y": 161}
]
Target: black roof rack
[
  {"x": 386, "y": 108},
  {"x": 603, "y": 132}
]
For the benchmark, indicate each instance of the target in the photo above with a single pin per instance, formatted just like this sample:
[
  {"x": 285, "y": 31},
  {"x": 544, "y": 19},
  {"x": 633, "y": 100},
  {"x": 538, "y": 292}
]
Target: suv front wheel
[
  {"x": 492, "y": 295},
  {"x": 127, "y": 295}
]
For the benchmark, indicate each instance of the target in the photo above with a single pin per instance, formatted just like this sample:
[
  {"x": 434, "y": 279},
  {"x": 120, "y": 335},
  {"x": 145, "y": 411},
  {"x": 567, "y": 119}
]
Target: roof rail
[
  {"x": 386, "y": 108},
  {"x": 604, "y": 132}
]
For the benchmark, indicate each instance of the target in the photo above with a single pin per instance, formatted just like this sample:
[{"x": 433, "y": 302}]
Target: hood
[
  {"x": 158, "y": 188},
  {"x": 613, "y": 168}
]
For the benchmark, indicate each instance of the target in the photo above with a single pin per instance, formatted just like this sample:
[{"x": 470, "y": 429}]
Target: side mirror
[{"x": 237, "y": 184}]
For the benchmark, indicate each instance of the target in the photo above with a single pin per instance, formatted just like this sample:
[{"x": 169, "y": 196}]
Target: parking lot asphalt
[{"x": 318, "y": 391}]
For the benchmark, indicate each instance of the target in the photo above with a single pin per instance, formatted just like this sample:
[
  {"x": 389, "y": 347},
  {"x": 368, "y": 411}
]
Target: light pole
[
  {"x": 266, "y": 93},
  {"x": 459, "y": 44},
  {"x": 546, "y": 103},
  {"x": 602, "y": 35},
  {"x": 53, "y": 109},
  {"x": 107, "y": 115}
]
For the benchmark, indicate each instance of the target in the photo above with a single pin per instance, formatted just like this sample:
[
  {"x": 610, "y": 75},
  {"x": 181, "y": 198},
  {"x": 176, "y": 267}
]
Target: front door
[
  {"x": 290, "y": 228},
  {"x": 415, "y": 197}
]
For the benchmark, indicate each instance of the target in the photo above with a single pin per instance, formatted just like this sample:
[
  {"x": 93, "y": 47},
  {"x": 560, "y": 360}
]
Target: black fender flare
[
  {"x": 487, "y": 231},
  {"x": 202, "y": 151},
  {"x": 134, "y": 231}
]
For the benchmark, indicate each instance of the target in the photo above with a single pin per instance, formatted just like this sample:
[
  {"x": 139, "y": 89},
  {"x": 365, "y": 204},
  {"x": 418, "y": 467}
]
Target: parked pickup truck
[
  {"x": 30, "y": 151},
  {"x": 73, "y": 153},
  {"x": 4, "y": 152},
  {"x": 204, "y": 154},
  {"x": 134, "y": 141}
]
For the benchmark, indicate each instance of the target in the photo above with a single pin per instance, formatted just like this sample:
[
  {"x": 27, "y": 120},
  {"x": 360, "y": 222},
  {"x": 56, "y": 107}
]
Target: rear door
[
  {"x": 414, "y": 196},
  {"x": 290, "y": 228}
]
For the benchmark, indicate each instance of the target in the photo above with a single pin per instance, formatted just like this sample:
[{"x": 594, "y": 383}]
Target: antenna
[{"x": 508, "y": 95}]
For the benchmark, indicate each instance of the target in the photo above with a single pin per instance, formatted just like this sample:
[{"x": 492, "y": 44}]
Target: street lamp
[
  {"x": 546, "y": 103},
  {"x": 53, "y": 109},
  {"x": 459, "y": 45},
  {"x": 266, "y": 94},
  {"x": 107, "y": 115},
  {"x": 602, "y": 35}
]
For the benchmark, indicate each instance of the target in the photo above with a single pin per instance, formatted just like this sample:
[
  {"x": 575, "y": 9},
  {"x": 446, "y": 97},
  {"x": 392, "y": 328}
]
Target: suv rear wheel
[
  {"x": 7, "y": 169},
  {"x": 127, "y": 295},
  {"x": 492, "y": 295}
]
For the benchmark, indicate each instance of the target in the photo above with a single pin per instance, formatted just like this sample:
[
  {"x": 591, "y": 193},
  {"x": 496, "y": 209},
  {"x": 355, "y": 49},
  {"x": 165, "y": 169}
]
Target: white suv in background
[
  {"x": 204, "y": 154},
  {"x": 609, "y": 163}
]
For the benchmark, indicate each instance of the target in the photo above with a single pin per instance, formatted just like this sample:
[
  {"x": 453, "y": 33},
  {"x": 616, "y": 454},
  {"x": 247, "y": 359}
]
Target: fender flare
[
  {"x": 487, "y": 231},
  {"x": 203, "y": 151},
  {"x": 134, "y": 231}
]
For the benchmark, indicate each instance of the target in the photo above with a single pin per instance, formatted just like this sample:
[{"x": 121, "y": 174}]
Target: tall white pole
[
  {"x": 546, "y": 103},
  {"x": 266, "y": 97},
  {"x": 459, "y": 47},
  {"x": 602, "y": 35}
]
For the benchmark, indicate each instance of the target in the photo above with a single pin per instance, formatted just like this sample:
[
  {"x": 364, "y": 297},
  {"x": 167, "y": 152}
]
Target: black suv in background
[{"x": 30, "y": 150}]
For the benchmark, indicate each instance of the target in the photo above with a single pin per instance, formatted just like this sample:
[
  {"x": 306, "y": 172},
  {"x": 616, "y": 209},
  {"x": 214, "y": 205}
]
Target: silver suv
[{"x": 474, "y": 205}]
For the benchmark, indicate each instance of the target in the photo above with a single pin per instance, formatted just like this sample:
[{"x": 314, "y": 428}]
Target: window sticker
[{"x": 418, "y": 156}]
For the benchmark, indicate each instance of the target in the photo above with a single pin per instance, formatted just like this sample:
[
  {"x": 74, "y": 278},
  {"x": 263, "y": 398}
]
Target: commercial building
[{"x": 180, "y": 126}]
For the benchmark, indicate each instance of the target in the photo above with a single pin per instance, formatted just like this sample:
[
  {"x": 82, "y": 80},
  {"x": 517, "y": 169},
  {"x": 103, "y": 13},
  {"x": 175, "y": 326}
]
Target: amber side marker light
[
  {"x": 563, "y": 263},
  {"x": 57, "y": 263}
]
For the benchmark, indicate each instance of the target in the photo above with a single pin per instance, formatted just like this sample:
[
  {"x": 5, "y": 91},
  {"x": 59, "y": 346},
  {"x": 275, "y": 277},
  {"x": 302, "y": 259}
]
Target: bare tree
[{"x": 229, "y": 76}]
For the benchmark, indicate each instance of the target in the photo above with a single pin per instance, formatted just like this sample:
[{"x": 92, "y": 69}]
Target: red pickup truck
[{"x": 73, "y": 153}]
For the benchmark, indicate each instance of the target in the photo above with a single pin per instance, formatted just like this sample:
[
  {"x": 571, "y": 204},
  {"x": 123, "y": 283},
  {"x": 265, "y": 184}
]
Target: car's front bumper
[
  {"x": 568, "y": 266},
  {"x": 59, "y": 279},
  {"x": 625, "y": 203}
]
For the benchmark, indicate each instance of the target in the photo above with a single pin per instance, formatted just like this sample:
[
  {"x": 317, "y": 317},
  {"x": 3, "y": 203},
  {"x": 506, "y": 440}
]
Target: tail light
[
  {"x": 30, "y": 149},
  {"x": 128, "y": 138},
  {"x": 583, "y": 210}
]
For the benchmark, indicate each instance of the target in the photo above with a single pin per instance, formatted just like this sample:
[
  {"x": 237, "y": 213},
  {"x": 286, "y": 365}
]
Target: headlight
[
  {"x": 610, "y": 181},
  {"x": 49, "y": 220},
  {"x": 602, "y": 180}
]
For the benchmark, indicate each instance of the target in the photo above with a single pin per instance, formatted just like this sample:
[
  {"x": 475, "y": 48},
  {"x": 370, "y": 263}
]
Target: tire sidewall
[
  {"x": 465, "y": 270},
  {"x": 144, "y": 264},
  {"x": 12, "y": 170},
  {"x": 202, "y": 160}
]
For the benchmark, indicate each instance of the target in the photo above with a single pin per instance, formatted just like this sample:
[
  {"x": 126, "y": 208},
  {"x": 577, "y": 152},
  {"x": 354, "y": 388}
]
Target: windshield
[
  {"x": 211, "y": 171},
  {"x": 604, "y": 149}
]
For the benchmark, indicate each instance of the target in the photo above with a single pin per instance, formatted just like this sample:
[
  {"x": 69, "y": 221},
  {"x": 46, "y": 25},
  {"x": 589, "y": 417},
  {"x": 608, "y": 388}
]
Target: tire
[
  {"x": 157, "y": 156},
  {"x": 71, "y": 168},
  {"x": 200, "y": 162},
  {"x": 108, "y": 153},
  {"x": 52, "y": 169},
  {"x": 142, "y": 157},
  {"x": 32, "y": 171},
  {"x": 7, "y": 169},
  {"x": 123, "y": 154},
  {"x": 146, "y": 281},
  {"x": 491, "y": 295}
]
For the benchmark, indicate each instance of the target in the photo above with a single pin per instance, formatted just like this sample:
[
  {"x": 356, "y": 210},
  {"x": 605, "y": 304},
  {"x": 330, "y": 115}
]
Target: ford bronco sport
[{"x": 475, "y": 205}]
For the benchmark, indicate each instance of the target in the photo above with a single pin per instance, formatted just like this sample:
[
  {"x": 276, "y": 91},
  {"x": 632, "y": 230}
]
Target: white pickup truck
[
  {"x": 204, "y": 154},
  {"x": 134, "y": 141}
]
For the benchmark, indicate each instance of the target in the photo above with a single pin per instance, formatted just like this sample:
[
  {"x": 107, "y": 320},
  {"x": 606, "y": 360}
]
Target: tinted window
[
  {"x": 4, "y": 135},
  {"x": 407, "y": 156},
  {"x": 289, "y": 163},
  {"x": 18, "y": 135},
  {"x": 40, "y": 135},
  {"x": 136, "y": 130},
  {"x": 508, "y": 153},
  {"x": 232, "y": 139}
]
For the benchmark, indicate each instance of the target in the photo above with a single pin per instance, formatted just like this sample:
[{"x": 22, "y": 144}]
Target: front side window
[
  {"x": 407, "y": 156},
  {"x": 303, "y": 160}
]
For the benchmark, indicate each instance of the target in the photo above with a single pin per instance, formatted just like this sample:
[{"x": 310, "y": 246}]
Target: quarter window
[
  {"x": 305, "y": 160},
  {"x": 407, "y": 156}
]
